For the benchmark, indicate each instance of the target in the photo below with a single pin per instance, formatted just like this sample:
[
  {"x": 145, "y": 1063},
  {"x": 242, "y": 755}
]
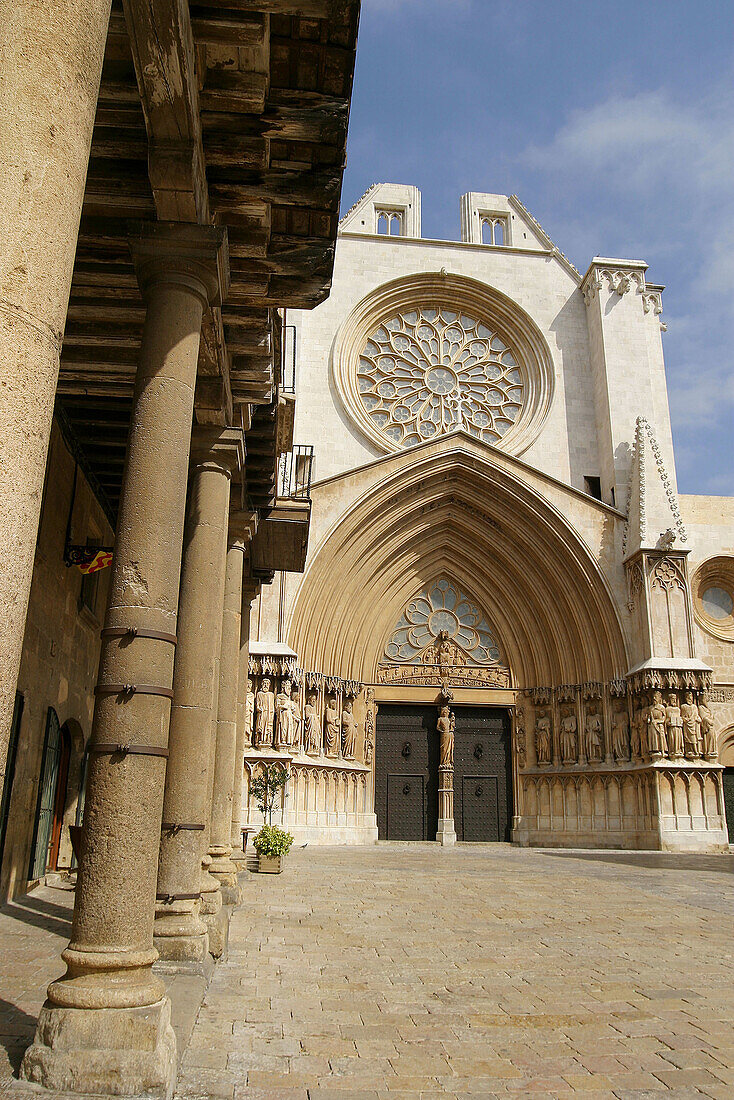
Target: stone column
[
  {"x": 220, "y": 847},
  {"x": 105, "y": 1026},
  {"x": 446, "y": 834},
  {"x": 180, "y": 935},
  {"x": 249, "y": 591},
  {"x": 51, "y": 55}
]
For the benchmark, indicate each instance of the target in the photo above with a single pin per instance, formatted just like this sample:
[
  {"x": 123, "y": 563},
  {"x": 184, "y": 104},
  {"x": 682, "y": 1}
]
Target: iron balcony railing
[{"x": 294, "y": 473}]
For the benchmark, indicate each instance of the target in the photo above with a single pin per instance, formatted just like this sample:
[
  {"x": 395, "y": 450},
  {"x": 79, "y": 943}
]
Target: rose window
[
  {"x": 442, "y": 606},
  {"x": 425, "y": 372}
]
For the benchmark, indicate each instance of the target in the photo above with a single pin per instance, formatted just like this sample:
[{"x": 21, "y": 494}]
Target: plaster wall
[{"x": 60, "y": 658}]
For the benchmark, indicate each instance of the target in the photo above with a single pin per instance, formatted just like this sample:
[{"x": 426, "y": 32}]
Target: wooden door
[
  {"x": 482, "y": 774},
  {"x": 406, "y": 773}
]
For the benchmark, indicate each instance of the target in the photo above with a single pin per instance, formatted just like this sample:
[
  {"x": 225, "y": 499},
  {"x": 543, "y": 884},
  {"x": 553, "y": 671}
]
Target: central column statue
[{"x": 446, "y": 727}]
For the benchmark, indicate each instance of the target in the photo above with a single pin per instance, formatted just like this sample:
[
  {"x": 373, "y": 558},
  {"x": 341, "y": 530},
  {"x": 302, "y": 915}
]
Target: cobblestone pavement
[{"x": 407, "y": 971}]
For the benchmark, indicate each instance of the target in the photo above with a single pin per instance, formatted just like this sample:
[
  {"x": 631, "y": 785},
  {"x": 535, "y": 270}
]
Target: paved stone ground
[{"x": 407, "y": 971}]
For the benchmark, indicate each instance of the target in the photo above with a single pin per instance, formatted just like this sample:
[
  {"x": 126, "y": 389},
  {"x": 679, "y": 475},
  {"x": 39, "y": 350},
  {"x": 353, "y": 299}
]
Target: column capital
[
  {"x": 224, "y": 447},
  {"x": 196, "y": 256},
  {"x": 242, "y": 528}
]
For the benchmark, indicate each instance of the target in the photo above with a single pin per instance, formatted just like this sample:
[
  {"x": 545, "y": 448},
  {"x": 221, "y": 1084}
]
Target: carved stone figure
[
  {"x": 249, "y": 711},
  {"x": 637, "y": 732},
  {"x": 369, "y": 727},
  {"x": 349, "y": 731},
  {"x": 657, "y": 737},
  {"x": 331, "y": 725},
  {"x": 569, "y": 737},
  {"x": 709, "y": 746},
  {"x": 691, "y": 727},
  {"x": 311, "y": 727},
  {"x": 674, "y": 727},
  {"x": 445, "y": 726},
  {"x": 620, "y": 735},
  {"x": 264, "y": 714},
  {"x": 543, "y": 737},
  {"x": 593, "y": 735},
  {"x": 520, "y": 737},
  {"x": 284, "y": 732}
]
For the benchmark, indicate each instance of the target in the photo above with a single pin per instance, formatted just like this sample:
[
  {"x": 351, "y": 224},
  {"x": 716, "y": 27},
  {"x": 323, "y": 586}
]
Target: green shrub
[{"x": 272, "y": 842}]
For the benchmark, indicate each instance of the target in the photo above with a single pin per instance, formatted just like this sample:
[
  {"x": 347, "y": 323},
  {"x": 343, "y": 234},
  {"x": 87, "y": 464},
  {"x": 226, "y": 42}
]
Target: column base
[
  {"x": 119, "y": 1051},
  {"x": 239, "y": 859},
  {"x": 225, "y": 872},
  {"x": 179, "y": 934},
  {"x": 446, "y": 834}
]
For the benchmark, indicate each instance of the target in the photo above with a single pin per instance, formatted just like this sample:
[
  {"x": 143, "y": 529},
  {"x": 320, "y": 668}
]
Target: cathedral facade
[{"x": 511, "y": 626}]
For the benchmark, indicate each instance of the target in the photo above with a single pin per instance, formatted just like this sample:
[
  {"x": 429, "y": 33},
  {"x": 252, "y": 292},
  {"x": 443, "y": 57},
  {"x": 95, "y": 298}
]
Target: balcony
[{"x": 281, "y": 542}]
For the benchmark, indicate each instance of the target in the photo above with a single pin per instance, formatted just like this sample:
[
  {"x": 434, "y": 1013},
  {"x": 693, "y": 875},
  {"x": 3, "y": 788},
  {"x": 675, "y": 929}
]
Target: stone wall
[{"x": 60, "y": 657}]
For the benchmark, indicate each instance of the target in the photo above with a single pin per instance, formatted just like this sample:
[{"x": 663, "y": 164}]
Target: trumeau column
[
  {"x": 445, "y": 726},
  {"x": 225, "y": 759},
  {"x": 250, "y": 589},
  {"x": 51, "y": 61},
  {"x": 180, "y": 934},
  {"x": 106, "y": 1024}
]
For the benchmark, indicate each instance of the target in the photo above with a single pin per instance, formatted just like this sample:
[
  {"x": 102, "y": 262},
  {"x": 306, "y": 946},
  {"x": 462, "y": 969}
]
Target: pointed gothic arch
[{"x": 454, "y": 510}]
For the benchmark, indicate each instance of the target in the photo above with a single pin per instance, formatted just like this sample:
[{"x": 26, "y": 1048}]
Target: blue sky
[{"x": 614, "y": 123}]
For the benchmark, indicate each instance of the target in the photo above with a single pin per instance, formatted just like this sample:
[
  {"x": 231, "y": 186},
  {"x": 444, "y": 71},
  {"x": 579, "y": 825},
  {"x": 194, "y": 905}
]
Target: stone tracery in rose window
[
  {"x": 425, "y": 372},
  {"x": 442, "y": 608}
]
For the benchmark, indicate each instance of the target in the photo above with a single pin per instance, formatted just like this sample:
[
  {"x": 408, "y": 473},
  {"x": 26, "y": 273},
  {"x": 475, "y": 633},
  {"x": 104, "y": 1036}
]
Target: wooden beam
[{"x": 162, "y": 46}]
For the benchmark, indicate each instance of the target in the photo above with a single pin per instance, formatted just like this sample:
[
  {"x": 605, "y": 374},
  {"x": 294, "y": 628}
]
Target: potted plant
[{"x": 271, "y": 844}]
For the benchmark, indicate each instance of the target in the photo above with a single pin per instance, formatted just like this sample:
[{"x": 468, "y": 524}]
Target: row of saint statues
[
  {"x": 274, "y": 720},
  {"x": 661, "y": 729}
]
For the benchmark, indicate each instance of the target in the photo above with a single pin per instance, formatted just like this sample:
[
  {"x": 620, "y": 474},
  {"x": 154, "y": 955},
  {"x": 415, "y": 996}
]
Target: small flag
[{"x": 89, "y": 559}]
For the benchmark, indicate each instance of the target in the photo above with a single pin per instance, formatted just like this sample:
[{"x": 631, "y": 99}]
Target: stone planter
[{"x": 270, "y": 865}]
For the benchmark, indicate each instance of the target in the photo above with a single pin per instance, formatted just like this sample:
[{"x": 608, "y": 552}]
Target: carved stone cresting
[{"x": 638, "y": 500}]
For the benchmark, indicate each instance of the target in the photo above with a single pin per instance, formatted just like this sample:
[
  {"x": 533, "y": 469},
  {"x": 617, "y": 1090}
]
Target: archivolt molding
[
  {"x": 450, "y": 513},
  {"x": 460, "y": 294}
]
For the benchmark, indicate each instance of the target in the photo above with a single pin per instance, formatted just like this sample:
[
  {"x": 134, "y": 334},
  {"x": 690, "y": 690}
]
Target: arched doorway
[{"x": 51, "y": 797}]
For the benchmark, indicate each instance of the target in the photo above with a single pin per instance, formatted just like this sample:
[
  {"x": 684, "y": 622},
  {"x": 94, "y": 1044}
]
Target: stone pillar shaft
[
  {"x": 249, "y": 591},
  {"x": 51, "y": 55},
  {"x": 179, "y": 933},
  {"x": 110, "y": 956},
  {"x": 220, "y": 847}
]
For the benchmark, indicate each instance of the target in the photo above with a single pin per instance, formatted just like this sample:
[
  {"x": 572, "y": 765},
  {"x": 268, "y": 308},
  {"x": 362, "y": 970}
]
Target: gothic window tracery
[
  {"x": 427, "y": 371},
  {"x": 442, "y": 612}
]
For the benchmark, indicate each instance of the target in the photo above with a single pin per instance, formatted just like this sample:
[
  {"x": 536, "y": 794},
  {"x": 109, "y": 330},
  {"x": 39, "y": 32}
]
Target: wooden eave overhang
[{"x": 229, "y": 113}]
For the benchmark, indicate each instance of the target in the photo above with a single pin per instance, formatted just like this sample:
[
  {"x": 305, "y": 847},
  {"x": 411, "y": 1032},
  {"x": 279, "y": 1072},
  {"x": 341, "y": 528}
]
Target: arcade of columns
[{"x": 161, "y": 842}]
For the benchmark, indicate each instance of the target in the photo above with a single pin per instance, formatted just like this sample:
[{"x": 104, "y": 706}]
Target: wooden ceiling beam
[{"x": 162, "y": 44}]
